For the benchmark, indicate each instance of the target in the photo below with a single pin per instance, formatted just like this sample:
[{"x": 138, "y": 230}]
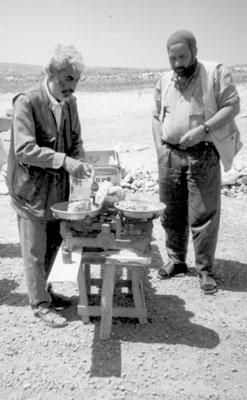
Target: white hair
[{"x": 60, "y": 56}]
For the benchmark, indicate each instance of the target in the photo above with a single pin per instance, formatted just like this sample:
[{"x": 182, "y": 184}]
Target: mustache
[
  {"x": 67, "y": 92},
  {"x": 180, "y": 69}
]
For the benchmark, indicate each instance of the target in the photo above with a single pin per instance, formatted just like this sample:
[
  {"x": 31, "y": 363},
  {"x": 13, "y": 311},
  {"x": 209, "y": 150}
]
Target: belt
[{"x": 199, "y": 146}]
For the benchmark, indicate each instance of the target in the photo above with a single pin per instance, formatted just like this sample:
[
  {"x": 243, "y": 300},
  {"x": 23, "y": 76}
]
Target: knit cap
[{"x": 182, "y": 36}]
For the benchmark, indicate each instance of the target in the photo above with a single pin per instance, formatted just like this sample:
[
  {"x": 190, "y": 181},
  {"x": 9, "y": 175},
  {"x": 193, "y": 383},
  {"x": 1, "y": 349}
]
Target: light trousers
[{"x": 40, "y": 240}]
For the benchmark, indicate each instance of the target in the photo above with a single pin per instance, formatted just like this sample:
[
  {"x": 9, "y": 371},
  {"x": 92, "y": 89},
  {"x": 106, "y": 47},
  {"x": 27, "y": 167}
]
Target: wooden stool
[
  {"x": 109, "y": 262},
  {"x": 79, "y": 270}
]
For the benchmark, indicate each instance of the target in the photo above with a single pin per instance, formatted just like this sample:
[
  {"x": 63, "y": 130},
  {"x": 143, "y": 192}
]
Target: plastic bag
[{"x": 80, "y": 194}]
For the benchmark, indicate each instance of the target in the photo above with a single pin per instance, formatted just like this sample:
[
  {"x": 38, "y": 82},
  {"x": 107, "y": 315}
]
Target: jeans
[
  {"x": 190, "y": 186},
  {"x": 40, "y": 240}
]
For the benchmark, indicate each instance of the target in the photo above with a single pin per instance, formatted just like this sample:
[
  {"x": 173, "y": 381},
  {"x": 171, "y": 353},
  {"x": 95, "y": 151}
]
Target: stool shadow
[
  {"x": 168, "y": 323},
  {"x": 106, "y": 355}
]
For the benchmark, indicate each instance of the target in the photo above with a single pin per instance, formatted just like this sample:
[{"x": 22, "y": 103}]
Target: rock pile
[
  {"x": 234, "y": 182},
  {"x": 141, "y": 181}
]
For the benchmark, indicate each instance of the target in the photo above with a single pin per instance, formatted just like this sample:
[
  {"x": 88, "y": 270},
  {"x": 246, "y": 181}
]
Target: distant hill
[
  {"x": 31, "y": 69},
  {"x": 19, "y": 77},
  {"x": 20, "y": 69}
]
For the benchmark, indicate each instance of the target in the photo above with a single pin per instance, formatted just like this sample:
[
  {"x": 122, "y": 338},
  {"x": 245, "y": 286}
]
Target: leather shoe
[{"x": 172, "y": 269}]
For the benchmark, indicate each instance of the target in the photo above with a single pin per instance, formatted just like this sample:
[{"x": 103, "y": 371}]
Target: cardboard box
[
  {"x": 103, "y": 158},
  {"x": 106, "y": 164},
  {"x": 110, "y": 174}
]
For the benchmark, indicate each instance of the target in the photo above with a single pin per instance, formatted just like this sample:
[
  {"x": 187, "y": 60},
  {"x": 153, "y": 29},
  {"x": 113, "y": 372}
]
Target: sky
[{"x": 122, "y": 33}]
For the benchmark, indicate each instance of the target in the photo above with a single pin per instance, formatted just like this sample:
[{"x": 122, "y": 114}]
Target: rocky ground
[{"x": 193, "y": 346}]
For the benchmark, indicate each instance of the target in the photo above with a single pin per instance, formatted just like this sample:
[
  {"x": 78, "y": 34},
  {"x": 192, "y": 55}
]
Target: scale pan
[
  {"x": 60, "y": 211},
  {"x": 140, "y": 209}
]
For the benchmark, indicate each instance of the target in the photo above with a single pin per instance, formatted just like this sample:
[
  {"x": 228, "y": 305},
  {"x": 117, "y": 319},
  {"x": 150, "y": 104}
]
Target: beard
[{"x": 186, "y": 72}]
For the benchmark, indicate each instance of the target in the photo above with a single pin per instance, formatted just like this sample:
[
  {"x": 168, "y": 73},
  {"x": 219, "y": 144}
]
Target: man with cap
[{"x": 193, "y": 129}]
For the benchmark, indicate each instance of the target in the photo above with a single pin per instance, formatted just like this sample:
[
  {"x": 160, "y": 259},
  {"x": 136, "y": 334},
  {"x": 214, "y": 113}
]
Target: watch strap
[{"x": 206, "y": 128}]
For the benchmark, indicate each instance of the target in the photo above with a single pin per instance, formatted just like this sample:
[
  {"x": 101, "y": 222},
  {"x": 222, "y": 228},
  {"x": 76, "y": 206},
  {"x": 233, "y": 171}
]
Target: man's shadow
[
  {"x": 9, "y": 297},
  {"x": 10, "y": 250},
  {"x": 8, "y": 286},
  {"x": 231, "y": 275}
]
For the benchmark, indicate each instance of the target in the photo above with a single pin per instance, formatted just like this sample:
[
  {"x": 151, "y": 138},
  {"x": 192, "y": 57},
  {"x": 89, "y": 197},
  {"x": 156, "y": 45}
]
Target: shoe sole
[
  {"x": 209, "y": 287},
  {"x": 52, "y": 324},
  {"x": 212, "y": 291}
]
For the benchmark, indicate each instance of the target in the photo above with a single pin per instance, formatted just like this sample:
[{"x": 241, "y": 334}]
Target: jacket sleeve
[
  {"x": 225, "y": 90},
  {"x": 26, "y": 149}
]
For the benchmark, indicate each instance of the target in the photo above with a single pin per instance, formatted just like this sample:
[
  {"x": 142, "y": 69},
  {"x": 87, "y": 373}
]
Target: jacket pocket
[{"x": 27, "y": 182}]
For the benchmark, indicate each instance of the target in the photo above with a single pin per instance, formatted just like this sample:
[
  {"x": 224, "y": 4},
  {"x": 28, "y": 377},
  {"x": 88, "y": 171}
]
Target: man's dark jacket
[{"x": 35, "y": 175}]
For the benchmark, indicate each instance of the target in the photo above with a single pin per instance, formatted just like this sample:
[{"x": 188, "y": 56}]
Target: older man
[
  {"x": 193, "y": 127},
  {"x": 46, "y": 147}
]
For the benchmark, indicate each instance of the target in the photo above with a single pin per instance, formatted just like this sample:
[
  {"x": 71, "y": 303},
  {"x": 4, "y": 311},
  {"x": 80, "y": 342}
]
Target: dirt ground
[{"x": 193, "y": 346}]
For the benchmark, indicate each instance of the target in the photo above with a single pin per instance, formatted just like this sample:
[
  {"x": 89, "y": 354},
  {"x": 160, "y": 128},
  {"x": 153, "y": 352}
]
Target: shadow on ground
[
  {"x": 231, "y": 275},
  {"x": 9, "y": 297},
  {"x": 169, "y": 323},
  {"x": 10, "y": 250}
]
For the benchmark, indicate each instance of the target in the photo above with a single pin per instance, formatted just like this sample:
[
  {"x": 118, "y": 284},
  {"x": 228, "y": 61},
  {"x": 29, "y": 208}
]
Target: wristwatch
[{"x": 206, "y": 128}]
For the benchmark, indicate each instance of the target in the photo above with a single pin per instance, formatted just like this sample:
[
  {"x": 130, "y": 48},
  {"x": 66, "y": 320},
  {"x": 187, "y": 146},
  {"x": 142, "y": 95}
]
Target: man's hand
[
  {"x": 192, "y": 137},
  {"x": 77, "y": 168}
]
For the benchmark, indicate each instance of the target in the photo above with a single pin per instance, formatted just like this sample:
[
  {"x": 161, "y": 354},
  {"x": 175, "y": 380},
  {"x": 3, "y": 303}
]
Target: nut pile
[{"x": 135, "y": 206}]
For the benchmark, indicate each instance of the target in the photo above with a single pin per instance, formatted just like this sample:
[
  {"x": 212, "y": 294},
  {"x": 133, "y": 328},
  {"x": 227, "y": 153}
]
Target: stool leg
[
  {"x": 88, "y": 277},
  {"x": 138, "y": 295},
  {"x": 129, "y": 278},
  {"x": 106, "y": 301},
  {"x": 83, "y": 300}
]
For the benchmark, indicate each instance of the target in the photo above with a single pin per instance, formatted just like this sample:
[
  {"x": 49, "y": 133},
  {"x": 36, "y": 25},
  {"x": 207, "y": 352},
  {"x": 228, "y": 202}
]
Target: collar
[{"x": 54, "y": 102}]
